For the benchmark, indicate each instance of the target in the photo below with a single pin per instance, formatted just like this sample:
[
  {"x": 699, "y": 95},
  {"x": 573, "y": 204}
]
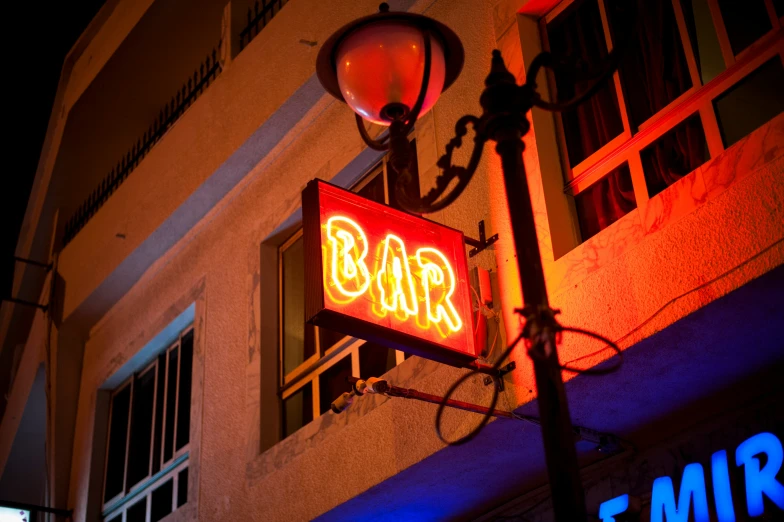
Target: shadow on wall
[
  {"x": 161, "y": 53},
  {"x": 24, "y": 477}
]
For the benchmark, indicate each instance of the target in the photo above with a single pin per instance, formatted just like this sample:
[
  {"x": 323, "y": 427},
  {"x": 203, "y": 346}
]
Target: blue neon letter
[
  {"x": 615, "y": 506},
  {"x": 759, "y": 481},
  {"x": 692, "y": 486},
  {"x": 721, "y": 487}
]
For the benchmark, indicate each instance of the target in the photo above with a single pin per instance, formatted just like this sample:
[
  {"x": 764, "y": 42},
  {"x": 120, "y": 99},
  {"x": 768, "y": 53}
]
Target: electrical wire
[
  {"x": 525, "y": 333},
  {"x": 489, "y": 312},
  {"x": 497, "y": 365},
  {"x": 485, "y": 417},
  {"x": 615, "y": 345},
  {"x": 478, "y": 309},
  {"x": 593, "y": 371},
  {"x": 495, "y": 337}
]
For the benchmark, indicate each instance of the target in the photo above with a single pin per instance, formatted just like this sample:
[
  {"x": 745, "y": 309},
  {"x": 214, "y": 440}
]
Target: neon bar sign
[
  {"x": 760, "y": 480},
  {"x": 386, "y": 276}
]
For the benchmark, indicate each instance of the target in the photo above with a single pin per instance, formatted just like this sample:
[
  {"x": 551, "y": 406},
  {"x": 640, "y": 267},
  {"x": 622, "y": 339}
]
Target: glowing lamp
[{"x": 376, "y": 64}]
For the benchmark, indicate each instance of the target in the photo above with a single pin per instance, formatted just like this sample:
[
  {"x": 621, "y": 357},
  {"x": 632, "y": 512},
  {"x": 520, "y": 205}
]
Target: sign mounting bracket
[{"x": 482, "y": 243}]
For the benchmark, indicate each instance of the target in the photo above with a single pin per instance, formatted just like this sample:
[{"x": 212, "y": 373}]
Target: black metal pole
[
  {"x": 506, "y": 126},
  {"x": 557, "y": 431}
]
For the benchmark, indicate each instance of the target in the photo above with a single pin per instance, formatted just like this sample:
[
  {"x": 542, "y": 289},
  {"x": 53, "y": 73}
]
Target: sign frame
[{"x": 318, "y": 312}]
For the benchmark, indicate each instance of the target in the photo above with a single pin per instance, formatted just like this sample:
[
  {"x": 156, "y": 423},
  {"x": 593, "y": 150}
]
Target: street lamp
[
  {"x": 376, "y": 64},
  {"x": 390, "y": 68}
]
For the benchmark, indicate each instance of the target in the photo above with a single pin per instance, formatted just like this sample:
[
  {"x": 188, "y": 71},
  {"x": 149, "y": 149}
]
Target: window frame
[
  {"x": 171, "y": 468},
  {"x": 324, "y": 358},
  {"x": 698, "y": 99}
]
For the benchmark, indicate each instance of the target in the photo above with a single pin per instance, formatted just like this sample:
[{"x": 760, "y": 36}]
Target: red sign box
[{"x": 386, "y": 276}]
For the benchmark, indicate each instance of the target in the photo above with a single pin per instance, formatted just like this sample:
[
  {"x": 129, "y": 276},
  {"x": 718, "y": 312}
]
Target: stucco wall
[
  {"x": 122, "y": 101},
  {"x": 615, "y": 296},
  {"x": 226, "y": 242}
]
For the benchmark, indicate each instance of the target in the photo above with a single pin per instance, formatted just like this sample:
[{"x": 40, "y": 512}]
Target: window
[
  {"x": 146, "y": 475},
  {"x": 315, "y": 362},
  {"x": 750, "y": 103},
  {"x": 698, "y": 76},
  {"x": 8, "y": 514}
]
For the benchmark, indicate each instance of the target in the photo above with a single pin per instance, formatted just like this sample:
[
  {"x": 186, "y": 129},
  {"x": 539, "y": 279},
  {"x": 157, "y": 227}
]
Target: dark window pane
[
  {"x": 182, "y": 487},
  {"x": 674, "y": 155},
  {"x": 778, "y": 5},
  {"x": 171, "y": 403},
  {"x": 605, "y": 202},
  {"x": 654, "y": 72},
  {"x": 298, "y": 410},
  {"x": 752, "y": 102},
  {"x": 577, "y": 33},
  {"x": 375, "y": 360},
  {"x": 137, "y": 512},
  {"x": 184, "y": 400},
  {"x": 298, "y": 338},
  {"x": 161, "y": 502},
  {"x": 328, "y": 338},
  {"x": 332, "y": 383},
  {"x": 118, "y": 518},
  {"x": 374, "y": 189},
  {"x": 745, "y": 21},
  {"x": 704, "y": 40},
  {"x": 392, "y": 177},
  {"x": 141, "y": 428},
  {"x": 159, "y": 399},
  {"x": 118, "y": 434}
]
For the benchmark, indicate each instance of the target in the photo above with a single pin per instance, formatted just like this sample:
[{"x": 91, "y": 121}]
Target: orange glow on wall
[{"x": 386, "y": 276}]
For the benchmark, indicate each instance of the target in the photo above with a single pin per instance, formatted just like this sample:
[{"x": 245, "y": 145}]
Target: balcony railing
[
  {"x": 258, "y": 18},
  {"x": 202, "y": 77}
]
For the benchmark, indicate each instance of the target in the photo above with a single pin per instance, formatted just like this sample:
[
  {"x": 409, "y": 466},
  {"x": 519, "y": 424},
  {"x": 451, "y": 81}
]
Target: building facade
[{"x": 172, "y": 375}]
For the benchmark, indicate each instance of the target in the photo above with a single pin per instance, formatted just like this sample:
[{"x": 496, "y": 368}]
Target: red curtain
[
  {"x": 653, "y": 74},
  {"x": 577, "y": 35}
]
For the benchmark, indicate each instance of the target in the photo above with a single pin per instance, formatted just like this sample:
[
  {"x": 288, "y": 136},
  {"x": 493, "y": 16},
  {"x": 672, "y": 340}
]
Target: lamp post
[{"x": 390, "y": 68}]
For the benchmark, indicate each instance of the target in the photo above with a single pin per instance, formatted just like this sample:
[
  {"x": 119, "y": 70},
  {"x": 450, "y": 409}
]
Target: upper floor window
[
  {"x": 698, "y": 76},
  {"x": 146, "y": 475},
  {"x": 315, "y": 362}
]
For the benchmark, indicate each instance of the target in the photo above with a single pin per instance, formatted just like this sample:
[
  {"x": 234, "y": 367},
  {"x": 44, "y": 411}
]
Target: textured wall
[
  {"x": 120, "y": 104},
  {"x": 311, "y": 472},
  {"x": 206, "y": 136},
  {"x": 679, "y": 251}
]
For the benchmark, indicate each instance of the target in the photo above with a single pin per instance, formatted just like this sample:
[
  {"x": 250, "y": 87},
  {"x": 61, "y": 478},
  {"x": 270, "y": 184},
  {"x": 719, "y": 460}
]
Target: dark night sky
[{"x": 40, "y": 35}]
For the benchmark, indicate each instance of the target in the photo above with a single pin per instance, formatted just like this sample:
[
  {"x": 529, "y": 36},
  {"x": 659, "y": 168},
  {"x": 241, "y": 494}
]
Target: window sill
[
  {"x": 408, "y": 373},
  {"x": 760, "y": 148},
  {"x": 626, "y": 146},
  {"x": 142, "y": 488}
]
